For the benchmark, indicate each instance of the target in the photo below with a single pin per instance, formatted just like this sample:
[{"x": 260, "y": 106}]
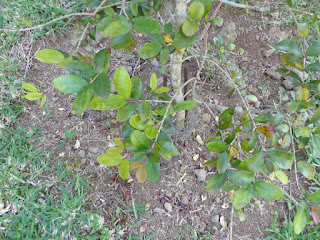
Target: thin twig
[
  {"x": 81, "y": 38},
  {"x": 209, "y": 23},
  {"x": 64, "y": 17}
]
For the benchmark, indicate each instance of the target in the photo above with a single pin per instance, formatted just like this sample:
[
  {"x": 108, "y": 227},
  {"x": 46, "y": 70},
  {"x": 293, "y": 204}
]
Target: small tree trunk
[{"x": 176, "y": 60}]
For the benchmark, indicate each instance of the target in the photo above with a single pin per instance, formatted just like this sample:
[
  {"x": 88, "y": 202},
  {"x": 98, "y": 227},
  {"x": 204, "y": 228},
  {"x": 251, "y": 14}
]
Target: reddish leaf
[
  {"x": 315, "y": 215},
  {"x": 127, "y": 196},
  {"x": 268, "y": 131}
]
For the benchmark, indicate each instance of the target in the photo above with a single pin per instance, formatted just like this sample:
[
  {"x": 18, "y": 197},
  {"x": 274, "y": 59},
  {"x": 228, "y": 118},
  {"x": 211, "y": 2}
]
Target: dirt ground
[{"x": 210, "y": 215}]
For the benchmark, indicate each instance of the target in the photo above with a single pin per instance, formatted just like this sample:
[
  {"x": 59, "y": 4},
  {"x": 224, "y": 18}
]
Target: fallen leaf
[{"x": 143, "y": 229}]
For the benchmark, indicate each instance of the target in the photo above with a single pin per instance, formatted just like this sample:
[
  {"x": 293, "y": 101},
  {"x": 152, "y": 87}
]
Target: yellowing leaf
[
  {"x": 141, "y": 174},
  {"x": 34, "y": 96},
  {"x": 167, "y": 37},
  {"x": 268, "y": 131},
  {"x": 136, "y": 165},
  {"x": 29, "y": 87},
  {"x": 124, "y": 170}
]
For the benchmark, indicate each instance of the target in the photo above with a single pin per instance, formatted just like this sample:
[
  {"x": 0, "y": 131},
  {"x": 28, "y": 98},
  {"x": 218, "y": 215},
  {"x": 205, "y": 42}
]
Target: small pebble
[
  {"x": 185, "y": 200},
  {"x": 168, "y": 207},
  {"x": 201, "y": 174},
  {"x": 155, "y": 63},
  {"x": 82, "y": 154},
  {"x": 93, "y": 149},
  {"x": 287, "y": 84},
  {"x": 159, "y": 210},
  {"x": 217, "y": 200},
  {"x": 238, "y": 110},
  {"x": 215, "y": 219},
  {"x": 129, "y": 69},
  {"x": 206, "y": 117},
  {"x": 257, "y": 104},
  {"x": 268, "y": 52}
]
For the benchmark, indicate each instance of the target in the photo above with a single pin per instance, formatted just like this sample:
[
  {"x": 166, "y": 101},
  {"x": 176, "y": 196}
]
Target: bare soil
[{"x": 96, "y": 131}]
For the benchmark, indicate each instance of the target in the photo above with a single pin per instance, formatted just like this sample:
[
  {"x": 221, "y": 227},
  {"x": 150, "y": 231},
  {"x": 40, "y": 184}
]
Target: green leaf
[
  {"x": 113, "y": 102},
  {"x": 286, "y": 141},
  {"x": 242, "y": 197},
  {"x": 154, "y": 157},
  {"x": 315, "y": 67},
  {"x": 134, "y": 8},
  {"x": 248, "y": 143},
  {"x": 216, "y": 182},
  {"x": 153, "y": 170},
  {"x": 301, "y": 218},
  {"x": 101, "y": 60},
  {"x": 280, "y": 158},
  {"x": 137, "y": 123},
  {"x": 314, "y": 49},
  {"x": 217, "y": 145},
  {"x": 146, "y": 25},
  {"x": 162, "y": 90},
  {"x": 49, "y": 56},
  {"x": 282, "y": 176},
  {"x": 264, "y": 118},
  {"x": 127, "y": 129},
  {"x": 101, "y": 86},
  {"x": 122, "y": 82},
  {"x": 166, "y": 149},
  {"x": 124, "y": 170},
  {"x": 1, "y": 19},
  {"x": 80, "y": 68},
  {"x": 33, "y": 96},
  {"x": 268, "y": 191},
  {"x": 307, "y": 169},
  {"x": 164, "y": 55},
  {"x": 315, "y": 117},
  {"x": 196, "y": 10},
  {"x": 144, "y": 110},
  {"x": 216, "y": 21},
  {"x": 291, "y": 60},
  {"x": 29, "y": 87},
  {"x": 303, "y": 29},
  {"x": 253, "y": 163},
  {"x": 314, "y": 198},
  {"x": 119, "y": 26},
  {"x": 190, "y": 28},
  {"x": 186, "y": 105},
  {"x": 82, "y": 100},
  {"x": 304, "y": 132},
  {"x": 136, "y": 90},
  {"x": 124, "y": 42},
  {"x": 290, "y": 46},
  {"x": 69, "y": 83},
  {"x": 151, "y": 132},
  {"x": 150, "y": 50},
  {"x": 110, "y": 159},
  {"x": 230, "y": 137},
  {"x": 140, "y": 140},
  {"x": 182, "y": 41},
  {"x": 225, "y": 119},
  {"x": 223, "y": 161},
  {"x": 153, "y": 82},
  {"x": 126, "y": 111},
  {"x": 242, "y": 178}
]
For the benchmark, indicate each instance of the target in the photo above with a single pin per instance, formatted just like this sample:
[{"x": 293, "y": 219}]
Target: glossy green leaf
[
  {"x": 301, "y": 218},
  {"x": 153, "y": 170},
  {"x": 117, "y": 27},
  {"x": 182, "y": 41},
  {"x": 124, "y": 42},
  {"x": 230, "y": 137},
  {"x": 146, "y": 25},
  {"x": 307, "y": 169},
  {"x": 154, "y": 157},
  {"x": 314, "y": 198},
  {"x": 164, "y": 55},
  {"x": 242, "y": 197},
  {"x": 136, "y": 90},
  {"x": 291, "y": 60},
  {"x": 268, "y": 191},
  {"x": 196, "y": 10},
  {"x": 122, "y": 82},
  {"x": 80, "y": 68},
  {"x": 223, "y": 162},
  {"x": 110, "y": 159},
  {"x": 150, "y": 50},
  {"x": 151, "y": 132},
  {"x": 253, "y": 163},
  {"x": 167, "y": 150},
  {"x": 144, "y": 110},
  {"x": 242, "y": 178},
  {"x": 69, "y": 83},
  {"x": 314, "y": 49},
  {"x": 153, "y": 82},
  {"x": 280, "y": 158},
  {"x": 216, "y": 182},
  {"x": 29, "y": 87},
  {"x": 49, "y": 56},
  {"x": 225, "y": 120},
  {"x": 113, "y": 102},
  {"x": 264, "y": 118},
  {"x": 137, "y": 123},
  {"x": 33, "y": 96},
  {"x": 217, "y": 145},
  {"x": 248, "y": 143},
  {"x": 101, "y": 60},
  {"x": 283, "y": 178},
  {"x": 101, "y": 86},
  {"x": 290, "y": 46},
  {"x": 190, "y": 28},
  {"x": 124, "y": 169},
  {"x": 82, "y": 100},
  {"x": 127, "y": 129},
  {"x": 186, "y": 105},
  {"x": 140, "y": 140},
  {"x": 162, "y": 90},
  {"x": 126, "y": 111}
]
